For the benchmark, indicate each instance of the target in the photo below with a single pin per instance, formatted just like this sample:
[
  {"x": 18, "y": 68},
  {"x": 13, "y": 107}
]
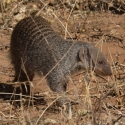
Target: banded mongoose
[{"x": 35, "y": 46}]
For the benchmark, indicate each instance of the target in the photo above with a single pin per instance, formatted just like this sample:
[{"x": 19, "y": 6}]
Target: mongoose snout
[{"x": 92, "y": 58}]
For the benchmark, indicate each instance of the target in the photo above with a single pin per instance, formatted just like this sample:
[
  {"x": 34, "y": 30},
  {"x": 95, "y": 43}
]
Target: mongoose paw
[{"x": 65, "y": 105}]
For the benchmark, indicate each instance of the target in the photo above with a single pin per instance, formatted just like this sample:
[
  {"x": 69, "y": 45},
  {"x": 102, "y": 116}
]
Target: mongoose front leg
[{"x": 58, "y": 84}]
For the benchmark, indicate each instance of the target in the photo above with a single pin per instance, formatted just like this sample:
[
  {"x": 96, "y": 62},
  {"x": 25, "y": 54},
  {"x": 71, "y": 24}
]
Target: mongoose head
[{"x": 93, "y": 59}]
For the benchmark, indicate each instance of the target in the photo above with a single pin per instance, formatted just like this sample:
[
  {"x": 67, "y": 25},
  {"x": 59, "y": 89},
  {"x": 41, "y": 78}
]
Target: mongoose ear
[{"x": 82, "y": 54}]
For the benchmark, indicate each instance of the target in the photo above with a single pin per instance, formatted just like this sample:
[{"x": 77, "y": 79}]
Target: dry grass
[{"x": 100, "y": 100}]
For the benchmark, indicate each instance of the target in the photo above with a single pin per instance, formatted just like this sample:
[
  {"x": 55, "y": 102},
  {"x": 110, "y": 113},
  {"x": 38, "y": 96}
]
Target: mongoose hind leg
[
  {"x": 22, "y": 72},
  {"x": 22, "y": 76}
]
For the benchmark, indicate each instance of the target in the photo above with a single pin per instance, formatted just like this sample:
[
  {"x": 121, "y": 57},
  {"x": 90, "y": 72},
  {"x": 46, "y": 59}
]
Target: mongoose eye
[{"x": 100, "y": 62}]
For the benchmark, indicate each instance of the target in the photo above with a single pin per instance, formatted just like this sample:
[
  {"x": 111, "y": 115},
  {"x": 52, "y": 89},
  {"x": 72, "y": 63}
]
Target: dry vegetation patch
[{"x": 100, "y": 100}]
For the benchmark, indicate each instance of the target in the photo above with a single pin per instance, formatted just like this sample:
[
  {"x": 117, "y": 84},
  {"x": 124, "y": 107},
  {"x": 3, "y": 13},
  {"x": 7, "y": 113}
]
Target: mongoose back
[{"x": 35, "y": 47}]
